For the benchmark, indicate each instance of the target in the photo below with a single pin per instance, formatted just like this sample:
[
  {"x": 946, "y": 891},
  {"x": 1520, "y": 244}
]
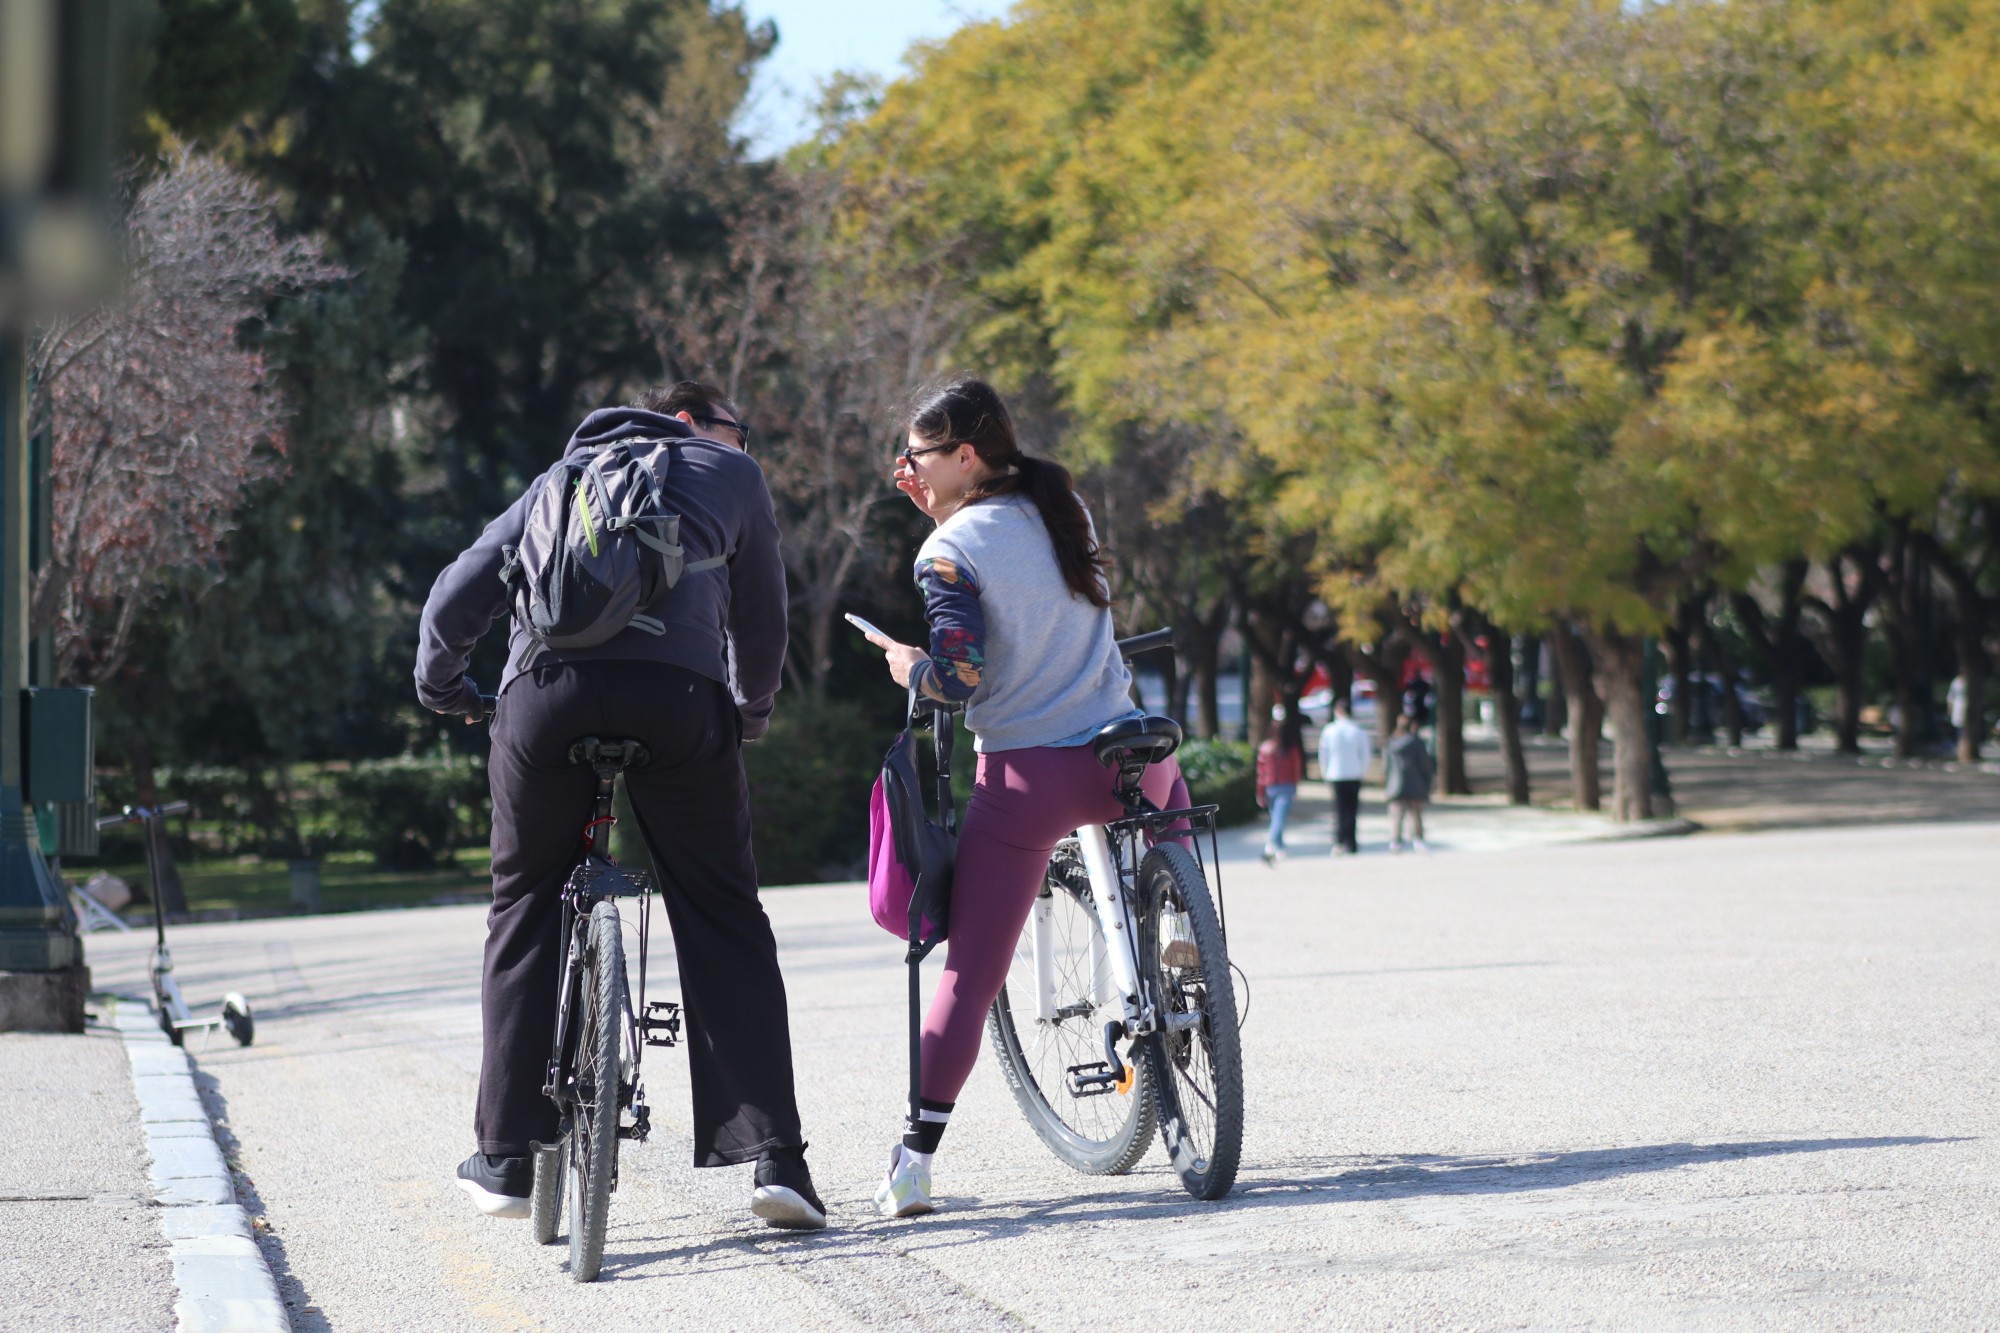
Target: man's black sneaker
[
  {"x": 784, "y": 1195},
  {"x": 500, "y": 1186}
]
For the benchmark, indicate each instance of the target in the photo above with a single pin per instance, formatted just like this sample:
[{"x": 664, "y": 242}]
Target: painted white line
[{"x": 225, "y": 1285}]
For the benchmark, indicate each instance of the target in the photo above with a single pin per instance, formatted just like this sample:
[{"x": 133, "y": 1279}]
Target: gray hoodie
[{"x": 727, "y": 624}]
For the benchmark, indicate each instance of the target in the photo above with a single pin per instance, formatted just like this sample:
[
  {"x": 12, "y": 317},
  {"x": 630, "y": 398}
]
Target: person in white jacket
[{"x": 1343, "y": 761}]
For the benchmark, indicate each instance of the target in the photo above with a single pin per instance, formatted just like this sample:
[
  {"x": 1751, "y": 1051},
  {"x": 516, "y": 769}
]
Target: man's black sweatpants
[
  {"x": 1346, "y": 813},
  {"x": 693, "y": 809}
]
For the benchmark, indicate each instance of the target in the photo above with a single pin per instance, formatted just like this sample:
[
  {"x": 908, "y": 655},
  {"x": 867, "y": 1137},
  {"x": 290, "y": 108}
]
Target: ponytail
[{"x": 964, "y": 409}]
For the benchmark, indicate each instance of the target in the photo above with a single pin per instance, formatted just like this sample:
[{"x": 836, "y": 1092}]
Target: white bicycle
[{"x": 1119, "y": 1013}]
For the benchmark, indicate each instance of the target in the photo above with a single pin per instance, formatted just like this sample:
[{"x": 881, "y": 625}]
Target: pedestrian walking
[
  {"x": 1281, "y": 762},
  {"x": 1343, "y": 761},
  {"x": 691, "y": 683},
  {"x": 1407, "y": 773}
]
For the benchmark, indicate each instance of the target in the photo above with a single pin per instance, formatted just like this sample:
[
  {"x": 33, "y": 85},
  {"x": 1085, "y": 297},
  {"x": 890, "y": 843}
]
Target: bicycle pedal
[
  {"x": 641, "y": 1126},
  {"x": 1093, "y": 1080},
  {"x": 668, "y": 1025}
]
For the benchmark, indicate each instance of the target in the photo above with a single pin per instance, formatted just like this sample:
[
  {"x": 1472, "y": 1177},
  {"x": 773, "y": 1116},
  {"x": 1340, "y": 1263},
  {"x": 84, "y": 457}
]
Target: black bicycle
[{"x": 593, "y": 1072}]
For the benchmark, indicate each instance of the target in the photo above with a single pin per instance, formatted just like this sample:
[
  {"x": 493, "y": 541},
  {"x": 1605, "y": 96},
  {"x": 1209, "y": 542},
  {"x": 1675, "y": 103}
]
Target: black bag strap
[{"x": 920, "y": 948}]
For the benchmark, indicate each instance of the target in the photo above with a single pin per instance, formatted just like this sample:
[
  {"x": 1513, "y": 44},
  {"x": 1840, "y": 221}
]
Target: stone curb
[{"x": 224, "y": 1283}]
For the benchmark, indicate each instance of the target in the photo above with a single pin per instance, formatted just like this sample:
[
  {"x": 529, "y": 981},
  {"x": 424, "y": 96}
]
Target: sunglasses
[
  {"x": 741, "y": 428},
  {"x": 910, "y": 453}
]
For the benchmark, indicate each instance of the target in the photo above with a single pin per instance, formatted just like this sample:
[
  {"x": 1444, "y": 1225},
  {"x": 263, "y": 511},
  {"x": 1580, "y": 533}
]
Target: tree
[{"x": 161, "y": 418}]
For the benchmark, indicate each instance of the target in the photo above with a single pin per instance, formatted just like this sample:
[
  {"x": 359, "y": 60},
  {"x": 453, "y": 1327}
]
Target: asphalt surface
[{"x": 1744, "y": 1082}]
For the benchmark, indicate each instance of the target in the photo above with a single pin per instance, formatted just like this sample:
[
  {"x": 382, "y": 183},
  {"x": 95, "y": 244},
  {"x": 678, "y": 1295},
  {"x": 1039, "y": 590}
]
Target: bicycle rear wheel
[
  {"x": 1197, "y": 1055},
  {"x": 593, "y": 1137},
  {"x": 1049, "y": 1021}
]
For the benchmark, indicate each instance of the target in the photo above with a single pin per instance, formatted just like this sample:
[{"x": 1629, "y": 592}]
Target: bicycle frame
[{"x": 1113, "y": 869}]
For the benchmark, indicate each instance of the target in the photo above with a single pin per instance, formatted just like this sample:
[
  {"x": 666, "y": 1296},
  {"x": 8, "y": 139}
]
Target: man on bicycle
[{"x": 691, "y": 695}]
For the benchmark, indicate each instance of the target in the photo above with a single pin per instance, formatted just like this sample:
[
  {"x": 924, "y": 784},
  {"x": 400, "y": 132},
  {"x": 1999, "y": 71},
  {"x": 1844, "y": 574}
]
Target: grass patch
[{"x": 348, "y": 882}]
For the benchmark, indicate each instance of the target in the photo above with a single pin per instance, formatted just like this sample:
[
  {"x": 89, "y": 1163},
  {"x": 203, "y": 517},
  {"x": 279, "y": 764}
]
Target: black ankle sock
[{"x": 924, "y": 1127}]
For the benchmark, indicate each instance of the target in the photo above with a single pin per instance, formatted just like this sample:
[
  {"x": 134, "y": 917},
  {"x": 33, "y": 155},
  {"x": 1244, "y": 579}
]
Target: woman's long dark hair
[{"x": 964, "y": 409}]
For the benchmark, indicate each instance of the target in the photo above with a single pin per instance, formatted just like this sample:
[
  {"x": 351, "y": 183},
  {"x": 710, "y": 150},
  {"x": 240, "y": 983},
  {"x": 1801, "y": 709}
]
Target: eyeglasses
[
  {"x": 742, "y": 428},
  {"x": 911, "y": 454}
]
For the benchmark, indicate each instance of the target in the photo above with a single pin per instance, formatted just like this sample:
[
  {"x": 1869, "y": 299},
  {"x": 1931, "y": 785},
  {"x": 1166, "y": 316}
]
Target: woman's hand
[
  {"x": 903, "y": 657},
  {"x": 905, "y": 477}
]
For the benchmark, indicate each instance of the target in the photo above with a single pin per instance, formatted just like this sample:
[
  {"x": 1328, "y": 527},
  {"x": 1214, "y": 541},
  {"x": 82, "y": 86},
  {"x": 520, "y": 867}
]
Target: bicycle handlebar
[
  {"x": 133, "y": 814},
  {"x": 1150, "y": 642}
]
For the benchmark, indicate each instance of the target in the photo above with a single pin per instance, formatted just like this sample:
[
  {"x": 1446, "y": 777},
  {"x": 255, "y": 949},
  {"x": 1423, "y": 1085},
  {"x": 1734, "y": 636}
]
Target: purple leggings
[{"x": 1023, "y": 803}]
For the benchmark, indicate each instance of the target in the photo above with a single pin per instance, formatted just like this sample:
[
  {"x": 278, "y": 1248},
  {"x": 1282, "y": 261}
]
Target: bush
[
  {"x": 411, "y": 814},
  {"x": 809, "y": 781},
  {"x": 1223, "y": 773}
]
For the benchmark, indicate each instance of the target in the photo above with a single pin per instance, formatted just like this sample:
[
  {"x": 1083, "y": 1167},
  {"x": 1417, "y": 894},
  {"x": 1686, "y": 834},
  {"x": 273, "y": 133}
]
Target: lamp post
[{"x": 56, "y": 61}]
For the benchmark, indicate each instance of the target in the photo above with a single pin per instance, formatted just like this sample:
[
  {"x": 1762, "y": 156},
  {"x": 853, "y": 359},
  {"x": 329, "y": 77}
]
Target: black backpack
[{"x": 599, "y": 545}]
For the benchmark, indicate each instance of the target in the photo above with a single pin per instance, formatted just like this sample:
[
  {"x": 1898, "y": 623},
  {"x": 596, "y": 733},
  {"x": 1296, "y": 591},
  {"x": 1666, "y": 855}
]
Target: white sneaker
[
  {"x": 1421, "y": 845},
  {"x": 906, "y": 1190}
]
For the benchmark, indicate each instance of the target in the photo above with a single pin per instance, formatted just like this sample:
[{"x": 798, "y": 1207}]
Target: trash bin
[{"x": 305, "y": 885}]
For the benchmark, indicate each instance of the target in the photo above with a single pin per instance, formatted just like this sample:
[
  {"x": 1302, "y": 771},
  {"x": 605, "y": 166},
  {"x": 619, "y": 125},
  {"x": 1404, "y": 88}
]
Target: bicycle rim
[
  {"x": 1104, "y": 1133},
  {"x": 593, "y": 1138},
  {"x": 1196, "y": 1056}
]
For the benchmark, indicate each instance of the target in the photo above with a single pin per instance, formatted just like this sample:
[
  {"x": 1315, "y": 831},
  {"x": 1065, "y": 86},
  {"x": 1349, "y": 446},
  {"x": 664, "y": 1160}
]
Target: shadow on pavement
[
  {"x": 304, "y": 1315},
  {"x": 1305, "y": 1182}
]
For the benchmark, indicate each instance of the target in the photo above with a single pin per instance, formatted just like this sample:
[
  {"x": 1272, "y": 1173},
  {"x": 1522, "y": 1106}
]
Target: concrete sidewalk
[{"x": 80, "y": 1239}]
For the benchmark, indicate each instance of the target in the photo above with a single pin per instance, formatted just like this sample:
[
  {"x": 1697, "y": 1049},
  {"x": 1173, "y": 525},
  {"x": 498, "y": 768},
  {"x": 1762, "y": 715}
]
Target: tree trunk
[
  {"x": 1555, "y": 720},
  {"x": 1257, "y": 702},
  {"x": 1620, "y": 665},
  {"x": 1500, "y": 671},
  {"x": 1449, "y": 658},
  {"x": 1205, "y": 664},
  {"x": 1782, "y": 646},
  {"x": 1585, "y": 717},
  {"x": 1843, "y": 617},
  {"x": 1725, "y": 667}
]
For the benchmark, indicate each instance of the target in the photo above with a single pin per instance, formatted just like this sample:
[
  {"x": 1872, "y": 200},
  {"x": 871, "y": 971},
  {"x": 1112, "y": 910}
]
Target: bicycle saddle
[
  {"x": 612, "y": 753},
  {"x": 1147, "y": 740}
]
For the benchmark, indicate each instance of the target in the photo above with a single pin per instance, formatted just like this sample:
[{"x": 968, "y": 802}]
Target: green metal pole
[{"x": 37, "y": 932}]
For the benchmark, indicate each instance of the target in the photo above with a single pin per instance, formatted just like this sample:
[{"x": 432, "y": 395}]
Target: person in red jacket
[{"x": 1281, "y": 763}]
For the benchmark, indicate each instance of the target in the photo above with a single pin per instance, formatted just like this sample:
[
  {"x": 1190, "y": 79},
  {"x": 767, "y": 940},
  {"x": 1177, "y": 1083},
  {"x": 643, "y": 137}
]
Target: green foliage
[
  {"x": 411, "y": 814},
  {"x": 406, "y": 814},
  {"x": 809, "y": 780},
  {"x": 216, "y": 61},
  {"x": 1221, "y": 773}
]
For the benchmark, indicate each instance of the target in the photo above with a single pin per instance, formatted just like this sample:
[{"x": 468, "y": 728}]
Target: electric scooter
[{"x": 172, "y": 1010}]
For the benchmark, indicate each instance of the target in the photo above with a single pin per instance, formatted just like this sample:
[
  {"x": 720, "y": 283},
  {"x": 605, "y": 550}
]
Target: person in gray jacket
[
  {"x": 691, "y": 695},
  {"x": 1407, "y": 773}
]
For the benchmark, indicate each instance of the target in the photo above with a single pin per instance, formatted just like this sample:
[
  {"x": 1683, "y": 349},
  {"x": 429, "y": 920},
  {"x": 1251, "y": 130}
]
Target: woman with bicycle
[{"x": 1019, "y": 613}]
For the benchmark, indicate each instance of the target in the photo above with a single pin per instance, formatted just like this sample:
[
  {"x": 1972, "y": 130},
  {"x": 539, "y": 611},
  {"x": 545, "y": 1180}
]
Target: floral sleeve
[{"x": 958, "y": 631}]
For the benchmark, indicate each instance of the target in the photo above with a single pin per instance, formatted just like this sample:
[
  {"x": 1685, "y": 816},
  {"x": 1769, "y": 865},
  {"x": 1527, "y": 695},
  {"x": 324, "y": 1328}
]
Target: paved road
[{"x": 1721, "y": 1083}]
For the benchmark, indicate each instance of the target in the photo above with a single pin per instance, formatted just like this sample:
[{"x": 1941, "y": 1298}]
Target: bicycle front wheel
[
  {"x": 1047, "y": 1028},
  {"x": 1197, "y": 1055},
  {"x": 593, "y": 1137}
]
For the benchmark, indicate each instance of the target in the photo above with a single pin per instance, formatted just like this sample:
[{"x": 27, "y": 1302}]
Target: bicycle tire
[
  {"x": 593, "y": 1136},
  {"x": 1101, "y": 1135},
  {"x": 1197, "y": 1070},
  {"x": 546, "y": 1200}
]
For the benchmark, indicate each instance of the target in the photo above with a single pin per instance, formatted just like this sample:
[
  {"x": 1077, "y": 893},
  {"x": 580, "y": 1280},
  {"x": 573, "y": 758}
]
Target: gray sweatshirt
[
  {"x": 727, "y": 624},
  {"x": 1050, "y": 664}
]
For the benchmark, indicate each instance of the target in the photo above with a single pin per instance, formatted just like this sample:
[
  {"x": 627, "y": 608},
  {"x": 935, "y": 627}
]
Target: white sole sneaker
[
  {"x": 787, "y": 1208},
  {"x": 906, "y": 1190},
  {"x": 494, "y": 1205}
]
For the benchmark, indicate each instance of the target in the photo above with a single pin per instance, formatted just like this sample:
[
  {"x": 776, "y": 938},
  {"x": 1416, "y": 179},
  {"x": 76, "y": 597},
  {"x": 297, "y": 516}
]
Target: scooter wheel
[
  {"x": 236, "y": 1017},
  {"x": 166, "y": 1022}
]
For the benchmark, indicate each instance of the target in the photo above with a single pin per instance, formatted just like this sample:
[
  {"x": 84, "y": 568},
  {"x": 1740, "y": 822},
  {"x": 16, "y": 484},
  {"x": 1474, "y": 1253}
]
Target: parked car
[{"x": 1707, "y": 689}]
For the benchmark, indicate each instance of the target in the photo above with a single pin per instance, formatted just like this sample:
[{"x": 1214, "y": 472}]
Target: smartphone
[{"x": 863, "y": 625}]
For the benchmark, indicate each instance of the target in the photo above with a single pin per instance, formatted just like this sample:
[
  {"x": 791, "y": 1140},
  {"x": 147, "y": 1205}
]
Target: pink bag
[{"x": 889, "y": 884}]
